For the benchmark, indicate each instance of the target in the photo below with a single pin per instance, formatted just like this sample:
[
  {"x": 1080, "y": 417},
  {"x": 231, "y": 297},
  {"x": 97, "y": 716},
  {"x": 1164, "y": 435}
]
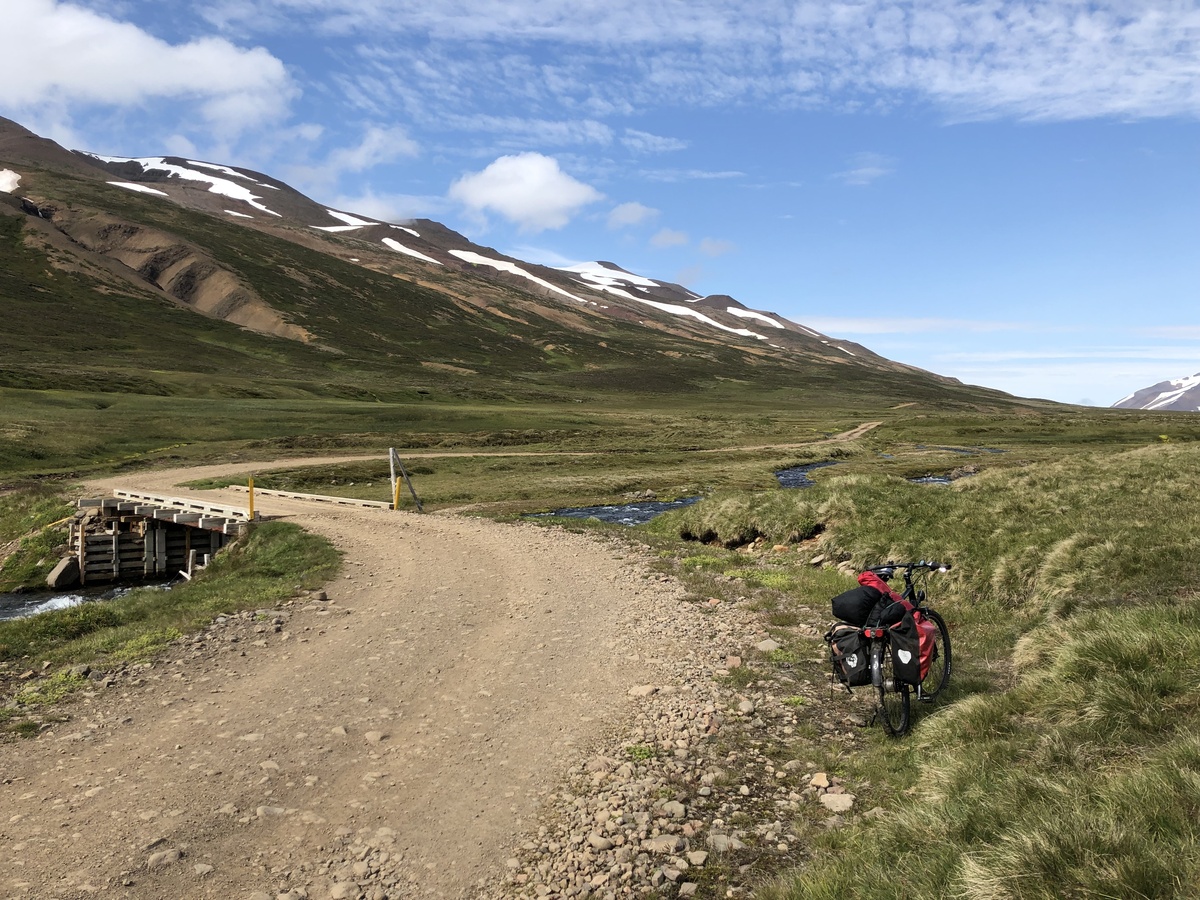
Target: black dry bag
[
  {"x": 848, "y": 653},
  {"x": 906, "y": 649},
  {"x": 856, "y": 604}
]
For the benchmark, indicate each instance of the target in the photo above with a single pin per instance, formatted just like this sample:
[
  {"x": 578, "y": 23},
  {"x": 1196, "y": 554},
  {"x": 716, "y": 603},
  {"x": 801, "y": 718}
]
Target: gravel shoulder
[{"x": 471, "y": 710}]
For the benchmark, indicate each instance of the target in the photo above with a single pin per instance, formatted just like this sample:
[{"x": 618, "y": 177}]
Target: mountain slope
[
  {"x": 103, "y": 254},
  {"x": 1178, "y": 395}
]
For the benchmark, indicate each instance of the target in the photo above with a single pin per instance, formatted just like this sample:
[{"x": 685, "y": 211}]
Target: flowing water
[
  {"x": 636, "y": 513},
  {"x": 797, "y": 476},
  {"x": 30, "y": 603}
]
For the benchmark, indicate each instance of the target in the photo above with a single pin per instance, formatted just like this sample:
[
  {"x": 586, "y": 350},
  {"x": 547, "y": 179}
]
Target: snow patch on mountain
[
  {"x": 605, "y": 276},
  {"x": 478, "y": 259},
  {"x": 349, "y": 219},
  {"x": 400, "y": 248},
  {"x": 234, "y": 212},
  {"x": 751, "y": 314},
  {"x": 222, "y": 186},
  {"x": 140, "y": 188},
  {"x": 677, "y": 310},
  {"x": 1174, "y": 391},
  {"x": 409, "y": 230},
  {"x": 8, "y": 181},
  {"x": 225, "y": 170}
]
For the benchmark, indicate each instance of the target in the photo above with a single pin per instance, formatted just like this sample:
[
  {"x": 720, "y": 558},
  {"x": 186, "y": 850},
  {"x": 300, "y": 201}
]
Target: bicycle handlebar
[{"x": 887, "y": 570}]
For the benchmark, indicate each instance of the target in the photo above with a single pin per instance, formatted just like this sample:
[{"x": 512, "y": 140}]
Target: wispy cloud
[
  {"x": 668, "y": 237},
  {"x": 528, "y": 189},
  {"x": 644, "y": 142},
  {"x": 677, "y": 175},
  {"x": 1048, "y": 59},
  {"x": 632, "y": 213},
  {"x": 866, "y": 168},
  {"x": 391, "y": 207},
  {"x": 848, "y": 326},
  {"x": 716, "y": 246}
]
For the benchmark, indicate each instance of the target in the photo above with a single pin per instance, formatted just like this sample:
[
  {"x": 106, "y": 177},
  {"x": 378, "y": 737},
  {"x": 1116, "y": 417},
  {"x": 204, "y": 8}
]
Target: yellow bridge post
[{"x": 250, "y": 487}]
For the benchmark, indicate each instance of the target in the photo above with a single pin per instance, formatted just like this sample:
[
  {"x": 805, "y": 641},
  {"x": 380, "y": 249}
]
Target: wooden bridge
[{"x": 132, "y": 535}]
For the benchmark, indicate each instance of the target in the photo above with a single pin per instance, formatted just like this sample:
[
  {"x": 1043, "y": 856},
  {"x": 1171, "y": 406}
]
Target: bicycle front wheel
[
  {"x": 893, "y": 694},
  {"x": 938, "y": 675}
]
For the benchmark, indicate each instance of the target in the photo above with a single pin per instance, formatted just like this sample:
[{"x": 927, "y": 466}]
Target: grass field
[{"x": 1066, "y": 760}]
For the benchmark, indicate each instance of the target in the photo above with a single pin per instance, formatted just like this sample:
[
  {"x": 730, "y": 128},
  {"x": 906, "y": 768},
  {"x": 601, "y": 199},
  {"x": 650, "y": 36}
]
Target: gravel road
[{"x": 452, "y": 717}]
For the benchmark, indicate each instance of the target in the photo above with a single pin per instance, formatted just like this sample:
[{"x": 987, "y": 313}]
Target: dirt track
[{"x": 458, "y": 667}]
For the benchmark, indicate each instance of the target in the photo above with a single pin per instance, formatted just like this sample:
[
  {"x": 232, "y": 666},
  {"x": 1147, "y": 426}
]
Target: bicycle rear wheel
[
  {"x": 938, "y": 675},
  {"x": 893, "y": 694}
]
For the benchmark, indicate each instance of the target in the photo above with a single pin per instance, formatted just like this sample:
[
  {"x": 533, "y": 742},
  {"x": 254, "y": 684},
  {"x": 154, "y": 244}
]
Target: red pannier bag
[{"x": 927, "y": 631}]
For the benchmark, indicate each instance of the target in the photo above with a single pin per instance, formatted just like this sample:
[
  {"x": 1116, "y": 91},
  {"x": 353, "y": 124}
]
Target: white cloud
[
  {"x": 391, "y": 207},
  {"x": 378, "y": 145},
  {"x": 668, "y": 238},
  {"x": 865, "y": 168},
  {"x": 528, "y": 189},
  {"x": 644, "y": 142},
  {"x": 632, "y": 213},
  {"x": 64, "y": 55},
  {"x": 674, "y": 175},
  {"x": 716, "y": 246},
  {"x": 1046, "y": 59}
]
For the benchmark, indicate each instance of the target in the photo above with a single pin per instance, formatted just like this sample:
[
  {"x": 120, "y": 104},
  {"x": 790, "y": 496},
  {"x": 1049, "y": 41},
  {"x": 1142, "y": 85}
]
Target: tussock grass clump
[
  {"x": 1080, "y": 775},
  {"x": 1083, "y": 780},
  {"x": 25, "y": 515},
  {"x": 736, "y": 519}
]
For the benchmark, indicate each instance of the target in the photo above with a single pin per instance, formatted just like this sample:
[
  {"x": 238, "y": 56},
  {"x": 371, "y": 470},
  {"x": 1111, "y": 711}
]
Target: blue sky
[{"x": 1004, "y": 192}]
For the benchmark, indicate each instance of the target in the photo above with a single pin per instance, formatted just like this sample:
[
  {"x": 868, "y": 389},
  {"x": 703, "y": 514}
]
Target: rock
[
  {"x": 838, "y": 803},
  {"x": 264, "y": 812},
  {"x": 698, "y": 857},
  {"x": 746, "y": 707},
  {"x": 767, "y": 646},
  {"x": 202, "y": 868},
  {"x": 344, "y": 890},
  {"x": 665, "y": 843},
  {"x": 599, "y": 843},
  {"x": 723, "y": 843},
  {"x": 674, "y": 809},
  {"x": 64, "y": 575},
  {"x": 817, "y": 560},
  {"x": 643, "y": 690},
  {"x": 820, "y": 780},
  {"x": 374, "y": 737},
  {"x": 688, "y": 889},
  {"x": 732, "y": 662},
  {"x": 163, "y": 858}
]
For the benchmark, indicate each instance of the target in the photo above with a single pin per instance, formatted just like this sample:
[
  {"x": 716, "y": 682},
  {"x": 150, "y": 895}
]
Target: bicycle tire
[
  {"x": 893, "y": 695},
  {"x": 938, "y": 676}
]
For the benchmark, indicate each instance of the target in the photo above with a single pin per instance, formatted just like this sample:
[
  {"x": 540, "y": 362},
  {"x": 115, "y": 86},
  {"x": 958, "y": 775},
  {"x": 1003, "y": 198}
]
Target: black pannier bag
[
  {"x": 848, "y": 652},
  {"x": 856, "y": 604},
  {"x": 906, "y": 649}
]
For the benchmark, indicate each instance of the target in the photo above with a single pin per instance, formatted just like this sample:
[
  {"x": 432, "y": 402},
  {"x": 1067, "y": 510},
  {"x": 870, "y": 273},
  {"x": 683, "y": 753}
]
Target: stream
[{"x": 30, "y": 603}]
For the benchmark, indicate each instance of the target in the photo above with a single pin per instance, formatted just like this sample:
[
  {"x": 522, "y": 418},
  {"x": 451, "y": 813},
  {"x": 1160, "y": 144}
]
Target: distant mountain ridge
[
  {"x": 416, "y": 300},
  {"x": 1178, "y": 395}
]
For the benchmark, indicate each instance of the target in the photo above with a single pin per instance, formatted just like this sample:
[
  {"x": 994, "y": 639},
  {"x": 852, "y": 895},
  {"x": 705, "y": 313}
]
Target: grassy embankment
[
  {"x": 1067, "y": 762},
  {"x": 272, "y": 564}
]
